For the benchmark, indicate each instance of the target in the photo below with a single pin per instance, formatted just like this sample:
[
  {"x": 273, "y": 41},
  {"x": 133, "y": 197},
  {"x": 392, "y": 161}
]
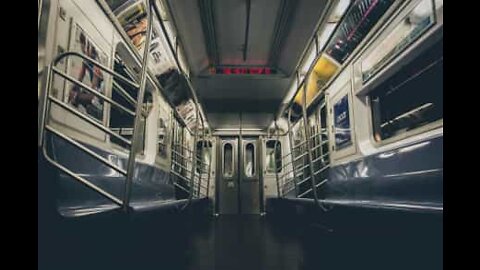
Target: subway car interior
[{"x": 240, "y": 134}]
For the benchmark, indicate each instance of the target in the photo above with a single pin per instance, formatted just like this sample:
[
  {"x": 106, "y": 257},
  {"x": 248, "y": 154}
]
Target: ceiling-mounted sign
[{"x": 243, "y": 70}]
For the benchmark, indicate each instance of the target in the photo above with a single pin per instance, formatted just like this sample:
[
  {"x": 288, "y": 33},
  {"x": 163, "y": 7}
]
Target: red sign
[{"x": 243, "y": 71}]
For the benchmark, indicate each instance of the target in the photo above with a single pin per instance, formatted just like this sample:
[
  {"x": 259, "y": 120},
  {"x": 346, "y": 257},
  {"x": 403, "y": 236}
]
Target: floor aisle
[{"x": 237, "y": 242}]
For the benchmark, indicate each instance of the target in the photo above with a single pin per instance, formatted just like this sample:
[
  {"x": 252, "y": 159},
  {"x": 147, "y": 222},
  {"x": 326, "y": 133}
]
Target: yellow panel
[{"x": 323, "y": 70}]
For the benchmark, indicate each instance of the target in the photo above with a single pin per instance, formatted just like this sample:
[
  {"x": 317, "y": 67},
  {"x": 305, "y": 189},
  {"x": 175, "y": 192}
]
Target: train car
[{"x": 240, "y": 134}]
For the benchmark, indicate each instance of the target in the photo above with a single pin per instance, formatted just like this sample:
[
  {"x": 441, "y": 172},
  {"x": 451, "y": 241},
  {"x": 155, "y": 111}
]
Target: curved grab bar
[{"x": 61, "y": 56}]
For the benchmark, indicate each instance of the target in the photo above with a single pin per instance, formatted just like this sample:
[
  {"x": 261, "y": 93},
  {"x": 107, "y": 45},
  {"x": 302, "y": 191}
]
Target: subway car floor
[{"x": 189, "y": 241}]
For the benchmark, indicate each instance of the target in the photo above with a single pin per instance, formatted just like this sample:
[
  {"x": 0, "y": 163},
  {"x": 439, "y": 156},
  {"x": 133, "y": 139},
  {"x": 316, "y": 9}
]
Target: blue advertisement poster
[{"x": 343, "y": 136}]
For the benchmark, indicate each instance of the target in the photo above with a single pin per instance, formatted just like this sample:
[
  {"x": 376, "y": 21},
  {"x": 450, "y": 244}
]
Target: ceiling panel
[{"x": 229, "y": 95}]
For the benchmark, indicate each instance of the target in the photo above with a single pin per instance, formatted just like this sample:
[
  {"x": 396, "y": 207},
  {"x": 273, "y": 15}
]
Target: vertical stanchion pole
[
  {"x": 309, "y": 147},
  {"x": 209, "y": 167},
  {"x": 200, "y": 160},
  {"x": 275, "y": 158},
  {"x": 194, "y": 154},
  {"x": 292, "y": 156},
  {"x": 138, "y": 113}
]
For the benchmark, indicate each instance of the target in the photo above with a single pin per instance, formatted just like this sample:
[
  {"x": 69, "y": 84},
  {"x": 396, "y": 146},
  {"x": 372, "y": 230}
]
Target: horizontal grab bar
[
  {"x": 88, "y": 119},
  {"x": 60, "y": 56},
  {"x": 86, "y": 150},
  {"x": 93, "y": 91}
]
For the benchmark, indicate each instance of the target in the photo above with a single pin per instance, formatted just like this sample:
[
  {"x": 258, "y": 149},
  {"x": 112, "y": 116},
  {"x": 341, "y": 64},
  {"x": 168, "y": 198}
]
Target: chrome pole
[
  {"x": 275, "y": 159},
  {"x": 194, "y": 161},
  {"x": 292, "y": 156},
  {"x": 209, "y": 168},
  {"x": 200, "y": 159},
  {"x": 138, "y": 113},
  {"x": 307, "y": 138}
]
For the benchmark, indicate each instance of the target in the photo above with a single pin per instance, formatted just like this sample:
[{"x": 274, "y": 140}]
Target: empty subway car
[{"x": 324, "y": 111}]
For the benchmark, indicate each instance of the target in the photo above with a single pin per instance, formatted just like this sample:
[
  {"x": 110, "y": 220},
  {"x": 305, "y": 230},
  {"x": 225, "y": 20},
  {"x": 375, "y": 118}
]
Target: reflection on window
[
  {"x": 273, "y": 156},
  {"x": 162, "y": 133},
  {"x": 204, "y": 154},
  {"x": 249, "y": 160},
  {"x": 358, "y": 22},
  {"x": 404, "y": 34},
  {"x": 343, "y": 132},
  {"x": 228, "y": 160},
  {"x": 411, "y": 98},
  {"x": 125, "y": 95}
]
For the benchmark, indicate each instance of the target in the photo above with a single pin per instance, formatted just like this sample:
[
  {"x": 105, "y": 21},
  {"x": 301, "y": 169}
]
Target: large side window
[
  {"x": 273, "y": 157},
  {"x": 204, "y": 153},
  {"x": 122, "y": 93},
  {"x": 406, "y": 31},
  {"x": 410, "y": 99}
]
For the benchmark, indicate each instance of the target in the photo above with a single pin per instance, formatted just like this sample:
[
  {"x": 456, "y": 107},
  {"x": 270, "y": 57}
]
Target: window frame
[
  {"x": 254, "y": 161},
  {"x": 224, "y": 175},
  {"x": 267, "y": 172},
  {"x": 429, "y": 37},
  {"x": 387, "y": 31},
  {"x": 336, "y": 154}
]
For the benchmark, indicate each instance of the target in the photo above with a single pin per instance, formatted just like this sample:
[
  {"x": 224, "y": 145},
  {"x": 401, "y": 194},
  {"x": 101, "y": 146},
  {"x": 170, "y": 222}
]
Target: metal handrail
[
  {"x": 307, "y": 131},
  {"x": 138, "y": 111},
  {"x": 291, "y": 150},
  {"x": 320, "y": 157},
  {"x": 45, "y": 109},
  {"x": 305, "y": 193},
  {"x": 319, "y": 145},
  {"x": 108, "y": 70},
  {"x": 189, "y": 161},
  {"x": 88, "y": 119},
  {"x": 91, "y": 90},
  {"x": 275, "y": 159},
  {"x": 300, "y": 144},
  {"x": 87, "y": 183},
  {"x": 134, "y": 143},
  {"x": 300, "y": 156},
  {"x": 86, "y": 150},
  {"x": 124, "y": 93},
  {"x": 181, "y": 166},
  {"x": 180, "y": 186}
]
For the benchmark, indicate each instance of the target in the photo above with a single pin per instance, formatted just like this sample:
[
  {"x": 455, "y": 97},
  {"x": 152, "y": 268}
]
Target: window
[
  {"x": 126, "y": 95},
  {"x": 360, "y": 19},
  {"x": 204, "y": 152},
  {"x": 412, "y": 26},
  {"x": 87, "y": 73},
  {"x": 249, "y": 160},
  {"x": 163, "y": 132},
  {"x": 410, "y": 99},
  {"x": 343, "y": 132},
  {"x": 273, "y": 157},
  {"x": 228, "y": 160}
]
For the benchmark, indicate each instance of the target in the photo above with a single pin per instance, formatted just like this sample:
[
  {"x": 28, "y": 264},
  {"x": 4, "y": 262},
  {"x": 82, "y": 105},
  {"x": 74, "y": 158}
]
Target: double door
[{"x": 239, "y": 176}]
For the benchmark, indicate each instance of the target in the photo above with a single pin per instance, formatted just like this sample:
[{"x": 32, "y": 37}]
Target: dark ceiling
[{"x": 215, "y": 33}]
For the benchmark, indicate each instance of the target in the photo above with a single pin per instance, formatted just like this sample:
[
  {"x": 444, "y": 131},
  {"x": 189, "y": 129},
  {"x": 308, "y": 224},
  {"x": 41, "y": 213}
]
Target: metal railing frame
[{"x": 46, "y": 100}]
